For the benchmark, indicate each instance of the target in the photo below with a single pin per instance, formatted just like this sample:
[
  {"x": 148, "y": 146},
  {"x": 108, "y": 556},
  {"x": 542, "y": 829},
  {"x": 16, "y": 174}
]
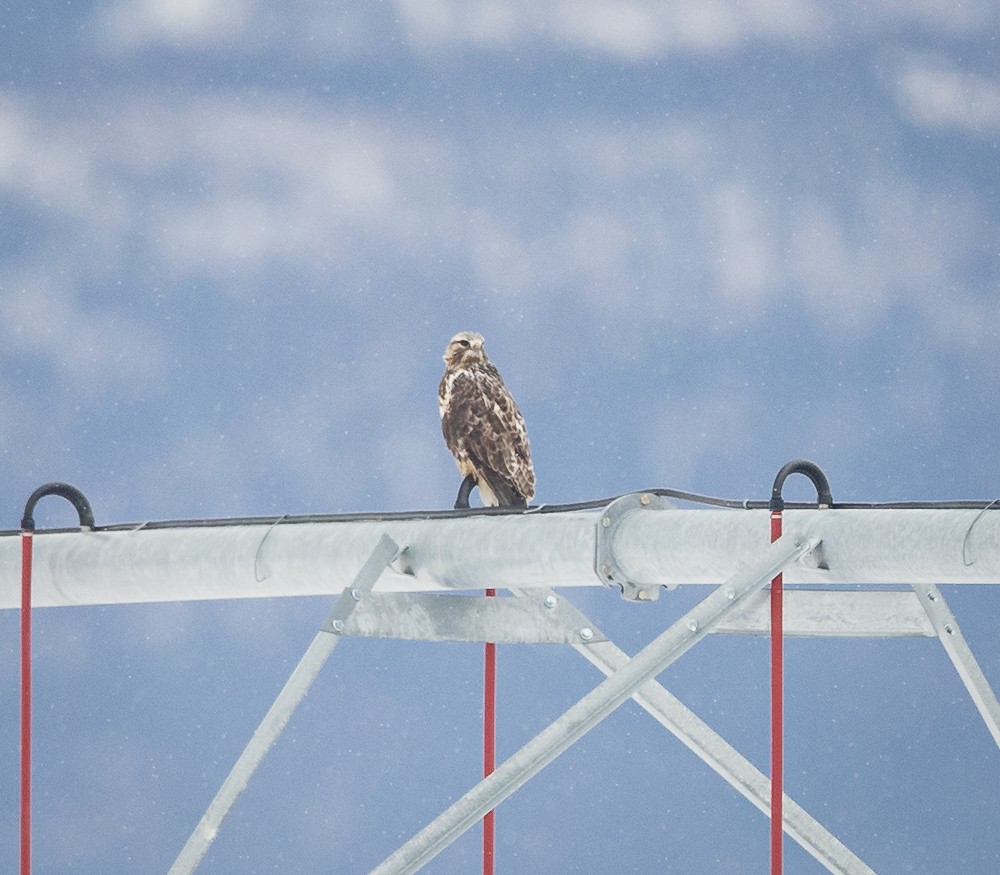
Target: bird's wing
[{"x": 483, "y": 423}]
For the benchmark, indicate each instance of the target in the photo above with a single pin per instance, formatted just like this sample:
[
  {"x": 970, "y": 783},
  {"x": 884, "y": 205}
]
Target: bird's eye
[{"x": 464, "y": 343}]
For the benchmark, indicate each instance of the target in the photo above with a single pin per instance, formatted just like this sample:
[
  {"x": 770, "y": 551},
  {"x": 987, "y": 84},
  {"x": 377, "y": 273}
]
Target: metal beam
[
  {"x": 532, "y": 619},
  {"x": 728, "y": 762},
  {"x": 835, "y": 614},
  {"x": 591, "y": 709},
  {"x": 544, "y": 618},
  {"x": 711, "y": 747},
  {"x": 525, "y": 550}
]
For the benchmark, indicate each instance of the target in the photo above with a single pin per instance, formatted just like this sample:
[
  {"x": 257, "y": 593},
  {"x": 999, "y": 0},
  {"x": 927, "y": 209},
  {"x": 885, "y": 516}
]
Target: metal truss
[
  {"x": 538, "y": 615},
  {"x": 395, "y": 576}
]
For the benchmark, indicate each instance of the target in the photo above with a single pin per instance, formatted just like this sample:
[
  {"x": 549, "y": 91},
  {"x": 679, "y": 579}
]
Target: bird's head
[{"x": 464, "y": 348}]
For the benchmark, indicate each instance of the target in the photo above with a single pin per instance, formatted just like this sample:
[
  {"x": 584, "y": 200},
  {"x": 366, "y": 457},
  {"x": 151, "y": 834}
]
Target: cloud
[
  {"x": 371, "y": 214},
  {"x": 91, "y": 352},
  {"x": 382, "y": 233},
  {"x": 934, "y": 93},
  {"x": 635, "y": 30},
  {"x": 904, "y": 247},
  {"x": 688, "y": 445},
  {"x": 936, "y": 16},
  {"x": 273, "y": 184},
  {"x": 184, "y": 22},
  {"x": 40, "y": 163}
]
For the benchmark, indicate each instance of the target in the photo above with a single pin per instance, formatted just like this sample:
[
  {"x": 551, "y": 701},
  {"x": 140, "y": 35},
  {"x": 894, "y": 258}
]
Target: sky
[{"x": 700, "y": 237}]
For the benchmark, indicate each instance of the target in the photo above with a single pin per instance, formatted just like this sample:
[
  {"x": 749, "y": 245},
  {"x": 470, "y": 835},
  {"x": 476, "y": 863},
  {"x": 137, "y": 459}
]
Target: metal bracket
[
  {"x": 813, "y": 613},
  {"x": 605, "y": 563},
  {"x": 529, "y": 619}
]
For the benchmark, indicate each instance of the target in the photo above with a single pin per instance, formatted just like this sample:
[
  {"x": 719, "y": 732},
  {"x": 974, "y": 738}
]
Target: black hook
[
  {"x": 464, "y": 491},
  {"x": 64, "y": 490},
  {"x": 812, "y": 471}
]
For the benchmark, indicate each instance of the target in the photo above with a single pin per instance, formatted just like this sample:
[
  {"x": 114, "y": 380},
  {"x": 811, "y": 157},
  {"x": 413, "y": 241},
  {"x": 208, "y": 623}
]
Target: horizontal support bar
[
  {"x": 834, "y": 614},
  {"x": 443, "y": 617},
  {"x": 553, "y": 620},
  {"x": 529, "y": 550}
]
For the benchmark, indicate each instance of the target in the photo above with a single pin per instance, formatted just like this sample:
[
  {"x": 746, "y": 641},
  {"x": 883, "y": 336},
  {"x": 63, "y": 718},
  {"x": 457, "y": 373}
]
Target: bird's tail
[{"x": 507, "y": 495}]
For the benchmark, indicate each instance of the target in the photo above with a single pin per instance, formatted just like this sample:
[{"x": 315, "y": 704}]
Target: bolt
[
  {"x": 730, "y": 593},
  {"x": 948, "y": 628},
  {"x": 644, "y": 500},
  {"x": 356, "y": 595},
  {"x": 606, "y": 571},
  {"x": 587, "y": 634},
  {"x": 606, "y": 521},
  {"x": 692, "y": 625},
  {"x": 642, "y": 595},
  {"x": 338, "y": 626},
  {"x": 550, "y": 601}
]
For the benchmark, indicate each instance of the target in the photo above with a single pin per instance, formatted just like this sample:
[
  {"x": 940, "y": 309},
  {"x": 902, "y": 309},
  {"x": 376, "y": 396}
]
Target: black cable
[
  {"x": 824, "y": 498},
  {"x": 595, "y": 504}
]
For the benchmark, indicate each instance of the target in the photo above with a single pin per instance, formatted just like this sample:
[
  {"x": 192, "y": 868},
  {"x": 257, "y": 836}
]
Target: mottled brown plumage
[{"x": 482, "y": 426}]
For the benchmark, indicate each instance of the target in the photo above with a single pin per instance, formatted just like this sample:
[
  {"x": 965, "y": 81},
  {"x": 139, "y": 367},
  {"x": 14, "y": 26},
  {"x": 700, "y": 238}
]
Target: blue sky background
[{"x": 701, "y": 239}]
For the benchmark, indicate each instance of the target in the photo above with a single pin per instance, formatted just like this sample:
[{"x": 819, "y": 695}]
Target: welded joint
[{"x": 606, "y": 565}]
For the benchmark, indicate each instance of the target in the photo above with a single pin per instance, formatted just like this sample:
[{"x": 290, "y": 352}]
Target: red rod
[
  {"x": 777, "y": 714},
  {"x": 25, "y": 703},
  {"x": 489, "y": 745}
]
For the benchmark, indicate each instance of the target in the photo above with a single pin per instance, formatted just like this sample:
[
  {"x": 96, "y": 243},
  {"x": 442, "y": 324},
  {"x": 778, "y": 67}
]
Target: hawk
[{"x": 482, "y": 426}]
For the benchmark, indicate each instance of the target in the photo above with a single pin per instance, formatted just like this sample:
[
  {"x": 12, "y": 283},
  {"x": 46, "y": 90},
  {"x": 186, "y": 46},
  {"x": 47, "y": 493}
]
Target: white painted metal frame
[
  {"x": 636, "y": 544},
  {"x": 813, "y": 614}
]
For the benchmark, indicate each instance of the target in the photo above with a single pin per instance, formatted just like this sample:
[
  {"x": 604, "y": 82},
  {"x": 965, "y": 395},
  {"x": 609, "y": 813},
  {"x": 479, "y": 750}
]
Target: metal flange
[{"x": 605, "y": 564}]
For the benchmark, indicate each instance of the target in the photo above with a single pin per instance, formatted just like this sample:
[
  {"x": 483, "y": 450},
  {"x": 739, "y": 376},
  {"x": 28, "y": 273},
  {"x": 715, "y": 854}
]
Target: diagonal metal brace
[
  {"x": 961, "y": 656},
  {"x": 591, "y": 709},
  {"x": 728, "y": 762},
  {"x": 279, "y": 713}
]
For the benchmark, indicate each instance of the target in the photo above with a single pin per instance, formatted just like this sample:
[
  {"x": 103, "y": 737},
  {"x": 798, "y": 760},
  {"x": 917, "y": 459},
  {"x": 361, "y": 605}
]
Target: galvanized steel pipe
[{"x": 651, "y": 547}]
